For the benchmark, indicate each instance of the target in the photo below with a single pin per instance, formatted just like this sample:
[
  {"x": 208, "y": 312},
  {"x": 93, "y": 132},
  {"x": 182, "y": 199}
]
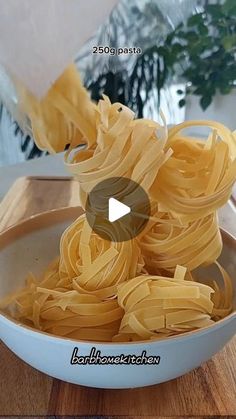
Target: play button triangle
[{"x": 117, "y": 210}]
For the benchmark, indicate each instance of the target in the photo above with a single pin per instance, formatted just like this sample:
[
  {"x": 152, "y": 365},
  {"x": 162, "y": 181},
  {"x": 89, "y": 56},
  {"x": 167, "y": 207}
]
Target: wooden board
[{"x": 207, "y": 391}]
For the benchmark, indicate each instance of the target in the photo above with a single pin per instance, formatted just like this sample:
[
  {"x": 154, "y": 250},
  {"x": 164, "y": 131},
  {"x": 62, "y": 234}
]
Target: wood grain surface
[{"x": 208, "y": 391}]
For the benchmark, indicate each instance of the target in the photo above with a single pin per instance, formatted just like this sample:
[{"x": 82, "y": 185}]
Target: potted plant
[{"x": 203, "y": 53}]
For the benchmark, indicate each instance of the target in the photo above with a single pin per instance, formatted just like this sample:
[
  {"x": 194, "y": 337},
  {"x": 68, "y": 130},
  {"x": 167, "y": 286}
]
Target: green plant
[{"x": 203, "y": 52}]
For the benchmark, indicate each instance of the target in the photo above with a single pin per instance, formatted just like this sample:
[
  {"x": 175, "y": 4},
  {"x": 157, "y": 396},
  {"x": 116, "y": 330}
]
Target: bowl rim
[{"x": 55, "y": 216}]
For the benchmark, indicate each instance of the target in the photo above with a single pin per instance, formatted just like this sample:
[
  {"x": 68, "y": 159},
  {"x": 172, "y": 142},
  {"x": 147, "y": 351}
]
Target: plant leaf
[
  {"x": 229, "y": 42},
  {"x": 182, "y": 103},
  {"x": 205, "y": 101},
  {"x": 214, "y": 10},
  {"x": 195, "y": 19},
  {"x": 203, "y": 29}
]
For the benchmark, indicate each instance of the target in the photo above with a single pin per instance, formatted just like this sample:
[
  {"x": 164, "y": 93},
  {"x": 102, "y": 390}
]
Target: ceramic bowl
[{"x": 29, "y": 246}]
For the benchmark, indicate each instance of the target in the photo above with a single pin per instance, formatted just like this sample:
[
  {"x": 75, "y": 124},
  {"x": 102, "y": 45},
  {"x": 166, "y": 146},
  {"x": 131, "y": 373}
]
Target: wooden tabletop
[{"x": 209, "y": 390}]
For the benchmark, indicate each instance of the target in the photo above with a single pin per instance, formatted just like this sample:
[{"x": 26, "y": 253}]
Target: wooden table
[{"x": 209, "y": 390}]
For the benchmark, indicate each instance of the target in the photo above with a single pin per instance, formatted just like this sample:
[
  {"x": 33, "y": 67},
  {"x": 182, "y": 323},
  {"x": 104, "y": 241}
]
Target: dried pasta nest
[
  {"x": 158, "y": 307},
  {"x": 125, "y": 148},
  {"x": 198, "y": 177},
  {"x": 91, "y": 264},
  {"x": 49, "y": 307},
  {"x": 166, "y": 245}
]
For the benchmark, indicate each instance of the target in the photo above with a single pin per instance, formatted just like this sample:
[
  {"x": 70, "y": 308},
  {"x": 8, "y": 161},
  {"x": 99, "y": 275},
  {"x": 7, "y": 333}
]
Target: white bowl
[{"x": 29, "y": 246}]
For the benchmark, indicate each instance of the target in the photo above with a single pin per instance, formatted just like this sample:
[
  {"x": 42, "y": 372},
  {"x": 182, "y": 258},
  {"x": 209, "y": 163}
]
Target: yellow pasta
[
  {"x": 91, "y": 264},
  {"x": 121, "y": 142},
  {"x": 196, "y": 244},
  {"x": 188, "y": 177},
  {"x": 197, "y": 179},
  {"x": 159, "y": 307},
  {"x": 66, "y": 116},
  {"x": 101, "y": 290},
  {"x": 52, "y": 308}
]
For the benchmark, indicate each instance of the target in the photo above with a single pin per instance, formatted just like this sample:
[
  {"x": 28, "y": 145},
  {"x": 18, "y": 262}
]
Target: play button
[{"x": 117, "y": 209}]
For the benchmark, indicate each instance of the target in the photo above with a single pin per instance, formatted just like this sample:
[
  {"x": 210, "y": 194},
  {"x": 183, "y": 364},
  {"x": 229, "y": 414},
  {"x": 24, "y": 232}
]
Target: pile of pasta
[
  {"x": 195, "y": 244},
  {"x": 157, "y": 307},
  {"x": 93, "y": 265},
  {"x": 144, "y": 288},
  {"x": 75, "y": 298}
]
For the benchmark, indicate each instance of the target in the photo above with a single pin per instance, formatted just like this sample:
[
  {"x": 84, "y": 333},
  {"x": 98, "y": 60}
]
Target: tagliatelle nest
[
  {"x": 49, "y": 307},
  {"x": 157, "y": 306},
  {"x": 197, "y": 244},
  {"x": 198, "y": 178},
  {"x": 90, "y": 264},
  {"x": 125, "y": 148}
]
